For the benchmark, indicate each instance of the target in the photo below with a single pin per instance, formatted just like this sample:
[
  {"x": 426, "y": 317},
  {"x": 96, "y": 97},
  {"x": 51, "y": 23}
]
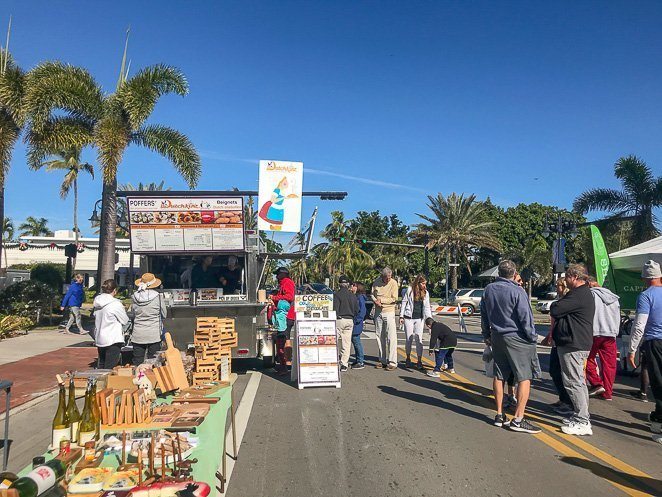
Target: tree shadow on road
[
  {"x": 435, "y": 401},
  {"x": 639, "y": 483}
]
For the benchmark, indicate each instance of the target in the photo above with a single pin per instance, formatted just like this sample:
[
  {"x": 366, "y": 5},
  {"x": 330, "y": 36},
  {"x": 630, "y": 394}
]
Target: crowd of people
[{"x": 585, "y": 323}]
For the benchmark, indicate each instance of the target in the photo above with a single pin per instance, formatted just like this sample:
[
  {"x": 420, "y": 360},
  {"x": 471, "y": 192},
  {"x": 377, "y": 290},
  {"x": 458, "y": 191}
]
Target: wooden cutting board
[{"x": 175, "y": 365}]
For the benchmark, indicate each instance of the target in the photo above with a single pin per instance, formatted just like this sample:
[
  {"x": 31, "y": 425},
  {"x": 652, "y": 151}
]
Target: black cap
[
  {"x": 343, "y": 279},
  {"x": 282, "y": 269}
]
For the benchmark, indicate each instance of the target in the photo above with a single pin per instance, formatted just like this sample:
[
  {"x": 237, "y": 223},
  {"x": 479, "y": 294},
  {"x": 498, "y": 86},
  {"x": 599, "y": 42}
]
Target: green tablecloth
[{"x": 210, "y": 447}]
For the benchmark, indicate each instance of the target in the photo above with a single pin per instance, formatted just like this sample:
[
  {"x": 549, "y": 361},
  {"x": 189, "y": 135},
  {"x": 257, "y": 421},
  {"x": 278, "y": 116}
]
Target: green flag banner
[{"x": 600, "y": 254}]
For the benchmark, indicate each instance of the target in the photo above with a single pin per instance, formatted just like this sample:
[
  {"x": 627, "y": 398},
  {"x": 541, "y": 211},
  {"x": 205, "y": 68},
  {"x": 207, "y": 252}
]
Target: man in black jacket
[
  {"x": 347, "y": 307},
  {"x": 573, "y": 336}
]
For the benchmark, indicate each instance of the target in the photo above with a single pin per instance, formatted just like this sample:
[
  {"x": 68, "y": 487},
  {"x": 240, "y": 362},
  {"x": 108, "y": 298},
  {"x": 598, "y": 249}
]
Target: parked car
[
  {"x": 545, "y": 302},
  {"x": 469, "y": 298}
]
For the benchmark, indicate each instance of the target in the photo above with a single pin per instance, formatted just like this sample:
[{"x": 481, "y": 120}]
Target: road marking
[
  {"x": 608, "y": 474},
  {"x": 242, "y": 415}
]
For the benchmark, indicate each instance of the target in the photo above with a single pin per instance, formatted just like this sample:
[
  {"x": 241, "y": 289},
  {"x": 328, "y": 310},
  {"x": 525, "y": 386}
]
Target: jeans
[
  {"x": 139, "y": 350},
  {"x": 557, "y": 376},
  {"x": 110, "y": 356},
  {"x": 387, "y": 337},
  {"x": 344, "y": 328},
  {"x": 605, "y": 349},
  {"x": 414, "y": 333},
  {"x": 573, "y": 364},
  {"x": 74, "y": 314},
  {"x": 439, "y": 357},
  {"x": 653, "y": 351},
  {"x": 358, "y": 349},
  {"x": 448, "y": 360}
]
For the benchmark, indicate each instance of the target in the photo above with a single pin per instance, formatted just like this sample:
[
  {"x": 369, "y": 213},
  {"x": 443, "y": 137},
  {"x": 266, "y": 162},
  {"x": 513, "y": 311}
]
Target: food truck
[{"x": 210, "y": 265}]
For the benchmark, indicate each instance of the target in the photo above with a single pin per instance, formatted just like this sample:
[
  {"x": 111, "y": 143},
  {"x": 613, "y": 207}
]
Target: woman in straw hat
[{"x": 148, "y": 312}]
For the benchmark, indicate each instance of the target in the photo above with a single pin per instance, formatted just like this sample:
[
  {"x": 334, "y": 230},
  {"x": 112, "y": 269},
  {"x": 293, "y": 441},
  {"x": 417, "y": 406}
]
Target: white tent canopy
[
  {"x": 492, "y": 272},
  {"x": 633, "y": 258}
]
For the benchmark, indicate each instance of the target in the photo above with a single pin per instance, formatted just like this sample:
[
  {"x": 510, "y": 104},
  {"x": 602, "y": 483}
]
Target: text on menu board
[{"x": 191, "y": 224}]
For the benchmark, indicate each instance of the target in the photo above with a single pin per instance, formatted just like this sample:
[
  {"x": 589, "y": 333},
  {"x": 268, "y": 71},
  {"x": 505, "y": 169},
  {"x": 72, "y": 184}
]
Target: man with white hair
[
  {"x": 648, "y": 327},
  {"x": 385, "y": 296}
]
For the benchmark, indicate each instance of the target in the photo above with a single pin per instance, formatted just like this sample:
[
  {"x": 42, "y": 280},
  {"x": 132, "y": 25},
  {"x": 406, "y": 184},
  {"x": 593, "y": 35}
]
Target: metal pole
[
  {"x": 427, "y": 263},
  {"x": 447, "y": 276}
]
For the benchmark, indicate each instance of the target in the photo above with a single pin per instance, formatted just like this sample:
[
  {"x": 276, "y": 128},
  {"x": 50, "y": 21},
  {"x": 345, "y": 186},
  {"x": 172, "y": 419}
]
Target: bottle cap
[{"x": 38, "y": 461}]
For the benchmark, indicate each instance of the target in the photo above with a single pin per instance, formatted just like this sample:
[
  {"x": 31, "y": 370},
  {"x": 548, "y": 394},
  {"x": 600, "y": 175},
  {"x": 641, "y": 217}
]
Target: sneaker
[
  {"x": 501, "y": 420},
  {"x": 639, "y": 395},
  {"x": 379, "y": 365},
  {"x": 408, "y": 363},
  {"x": 451, "y": 371},
  {"x": 419, "y": 365},
  {"x": 391, "y": 367},
  {"x": 524, "y": 426},
  {"x": 358, "y": 365},
  {"x": 567, "y": 421},
  {"x": 577, "y": 428},
  {"x": 596, "y": 390},
  {"x": 433, "y": 374},
  {"x": 343, "y": 368},
  {"x": 444, "y": 367},
  {"x": 657, "y": 438}
]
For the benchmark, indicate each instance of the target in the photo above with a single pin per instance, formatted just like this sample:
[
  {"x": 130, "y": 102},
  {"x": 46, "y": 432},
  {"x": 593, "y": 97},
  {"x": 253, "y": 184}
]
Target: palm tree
[
  {"x": 35, "y": 227},
  {"x": 341, "y": 251},
  {"x": 12, "y": 80},
  {"x": 534, "y": 259},
  {"x": 110, "y": 123},
  {"x": 7, "y": 235},
  {"x": 640, "y": 195},
  {"x": 69, "y": 161},
  {"x": 458, "y": 224}
]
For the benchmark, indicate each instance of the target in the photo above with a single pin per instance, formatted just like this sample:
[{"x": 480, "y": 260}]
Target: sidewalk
[{"x": 33, "y": 360}]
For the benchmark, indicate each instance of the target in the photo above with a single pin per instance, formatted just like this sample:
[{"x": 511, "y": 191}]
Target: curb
[{"x": 30, "y": 403}]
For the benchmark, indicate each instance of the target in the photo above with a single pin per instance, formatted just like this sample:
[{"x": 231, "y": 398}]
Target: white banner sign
[{"x": 281, "y": 185}]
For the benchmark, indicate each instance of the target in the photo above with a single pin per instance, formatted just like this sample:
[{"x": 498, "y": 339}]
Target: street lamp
[{"x": 562, "y": 228}]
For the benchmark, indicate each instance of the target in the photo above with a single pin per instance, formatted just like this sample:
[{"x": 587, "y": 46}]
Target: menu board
[
  {"x": 317, "y": 353},
  {"x": 186, "y": 224}
]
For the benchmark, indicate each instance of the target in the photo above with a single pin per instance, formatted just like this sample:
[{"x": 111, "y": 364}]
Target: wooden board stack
[
  {"x": 213, "y": 340},
  {"x": 128, "y": 407}
]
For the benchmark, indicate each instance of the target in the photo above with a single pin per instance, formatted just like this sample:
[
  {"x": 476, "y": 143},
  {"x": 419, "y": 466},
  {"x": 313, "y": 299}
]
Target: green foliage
[
  {"x": 641, "y": 194},
  {"x": 11, "y": 324},
  {"x": 49, "y": 274},
  {"x": 27, "y": 299},
  {"x": 35, "y": 227}
]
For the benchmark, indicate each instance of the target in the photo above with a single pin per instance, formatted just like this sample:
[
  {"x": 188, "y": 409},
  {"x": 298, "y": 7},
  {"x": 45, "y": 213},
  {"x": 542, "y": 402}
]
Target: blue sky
[{"x": 519, "y": 101}]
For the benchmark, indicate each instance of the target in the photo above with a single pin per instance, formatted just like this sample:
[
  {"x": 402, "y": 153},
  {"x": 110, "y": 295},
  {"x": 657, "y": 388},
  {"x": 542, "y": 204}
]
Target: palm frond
[
  {"x": 112, "y": 136},
  {"x": 9, "y": 132},
  {"x": 602, "y": 199},
  {"x": 54, "y": 85},
  {"x": 636, "y": 177},
  {"x": 12, "y": 91},
  {"x": 68, "y": 182},
  {"x": 173, "y": 145},
  {"x": 140, "y": 93},
  {"x": 57, "y": 134}
]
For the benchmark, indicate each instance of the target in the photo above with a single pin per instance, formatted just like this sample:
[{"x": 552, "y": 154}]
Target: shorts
[{"x": 516, "y": 356}]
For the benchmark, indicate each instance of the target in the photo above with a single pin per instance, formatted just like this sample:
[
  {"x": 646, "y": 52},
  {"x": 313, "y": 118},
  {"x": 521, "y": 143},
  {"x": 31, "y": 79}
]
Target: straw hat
[{"x": 149, "y": 281}]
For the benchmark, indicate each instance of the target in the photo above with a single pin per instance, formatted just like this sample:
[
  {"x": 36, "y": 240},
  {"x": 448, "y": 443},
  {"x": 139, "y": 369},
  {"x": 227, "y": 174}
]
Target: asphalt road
[
  {"x": 400, "y": 432},
  {"x": 404, "y": 433}
]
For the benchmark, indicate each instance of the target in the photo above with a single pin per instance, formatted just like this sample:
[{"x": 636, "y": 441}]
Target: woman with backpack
[
  {"x": 148, "y": 312},
  {"x": 414, "y": 310}
]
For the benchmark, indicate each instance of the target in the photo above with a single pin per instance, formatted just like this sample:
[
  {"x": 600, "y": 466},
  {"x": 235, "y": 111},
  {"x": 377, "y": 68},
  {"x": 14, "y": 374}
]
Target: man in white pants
[{"x": 385, "y": 296}]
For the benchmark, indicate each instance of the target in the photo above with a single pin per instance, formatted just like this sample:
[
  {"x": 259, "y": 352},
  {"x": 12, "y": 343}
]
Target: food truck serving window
[{"x": 170, "y": 225}]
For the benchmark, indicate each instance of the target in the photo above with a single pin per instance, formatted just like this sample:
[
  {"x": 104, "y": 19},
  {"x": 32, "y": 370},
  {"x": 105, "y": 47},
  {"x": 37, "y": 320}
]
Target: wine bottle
[
  {"x": 96, "y": 411},
  {"x": 61, "y": 425},
  {"x": 72, "y": 412},
  {"x": 40, "y": 479},
  {"x": 87, "y": 429}
]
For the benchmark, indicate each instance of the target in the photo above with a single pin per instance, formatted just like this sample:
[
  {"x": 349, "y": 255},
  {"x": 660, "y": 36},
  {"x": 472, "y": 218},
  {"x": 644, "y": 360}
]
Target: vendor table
[{"x": 210, "y": 451}]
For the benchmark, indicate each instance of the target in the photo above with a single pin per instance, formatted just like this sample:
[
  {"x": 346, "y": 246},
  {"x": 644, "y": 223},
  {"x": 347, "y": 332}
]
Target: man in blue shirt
[
  {"x": 648, "y": 327},
  {"x": 507, "y": 326}
]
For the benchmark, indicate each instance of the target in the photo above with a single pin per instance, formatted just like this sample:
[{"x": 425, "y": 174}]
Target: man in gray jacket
[
  {"x": 507, "y": 326},
  {"x": 606, "y": 322}
]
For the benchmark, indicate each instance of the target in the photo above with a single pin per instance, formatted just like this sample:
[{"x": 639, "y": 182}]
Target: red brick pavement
[{"x": 35, "y": 376}]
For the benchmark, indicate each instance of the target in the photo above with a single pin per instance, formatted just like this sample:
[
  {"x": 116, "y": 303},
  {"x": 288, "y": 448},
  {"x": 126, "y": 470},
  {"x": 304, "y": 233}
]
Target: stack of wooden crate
[{"x": 213, "y": 340}]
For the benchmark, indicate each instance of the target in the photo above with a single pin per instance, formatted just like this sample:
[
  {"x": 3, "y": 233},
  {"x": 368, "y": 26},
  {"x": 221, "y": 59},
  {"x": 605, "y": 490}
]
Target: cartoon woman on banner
[{"x": 273, "y": 210}]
